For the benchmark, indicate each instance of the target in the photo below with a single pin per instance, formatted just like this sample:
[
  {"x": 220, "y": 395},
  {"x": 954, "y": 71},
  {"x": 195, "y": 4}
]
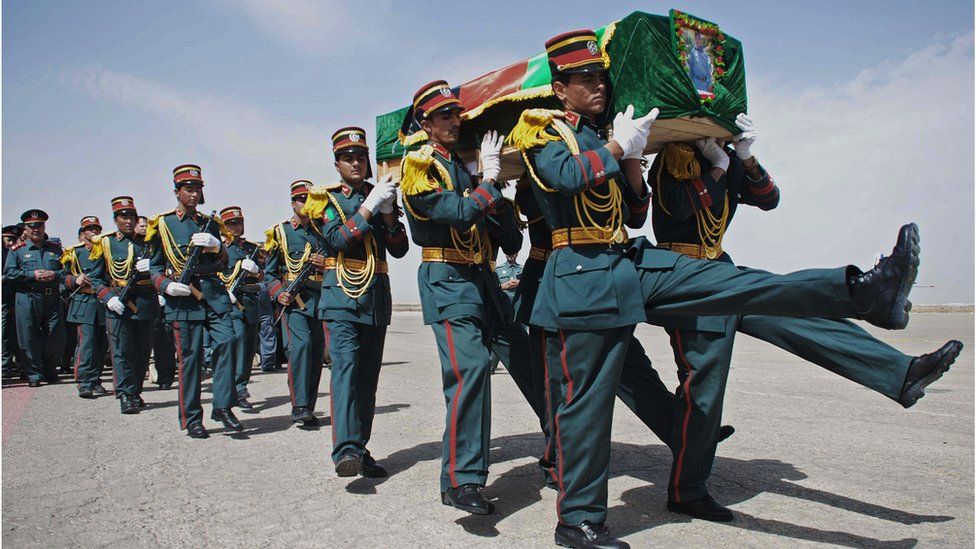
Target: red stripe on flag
[{"x": 492, "y": 85}]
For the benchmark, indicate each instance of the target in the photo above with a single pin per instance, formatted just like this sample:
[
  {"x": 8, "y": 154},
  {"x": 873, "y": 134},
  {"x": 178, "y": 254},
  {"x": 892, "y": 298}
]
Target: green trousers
[
  {"x": 130, "y": 342},
  {"x": 40, "y": 333},
  {"x": 164, "y": 351},
  {"x": 188, "y": 337},
  {"x": 9, "y": 349},
  {"x": 92, "y": 340},
  {"x": 305, "y": 338},
  {"x": 703, "y": 360},
  {"x": 245, "y": 344},
  {"x": 510, "y": 344},
  {"x": 462, "y": 344},
  {"x": 586, "y": 366},
  {"x": 357, "y": 354}
]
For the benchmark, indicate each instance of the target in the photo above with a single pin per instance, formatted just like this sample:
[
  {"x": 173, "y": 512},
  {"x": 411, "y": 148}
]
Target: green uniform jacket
[
  {"x": 23, "y": 260},
  {"x": 181, "y": 227},
  {"x": 592, "y": 286},
  {"x": 237, "y": 251},
  {"x": 292, "y": 238},
  {"x": 452, "y": 290},
  {"x": 123, "y": 252},
  {"x": 348, "y": 233},
  {"x": 84, "y": 307}
]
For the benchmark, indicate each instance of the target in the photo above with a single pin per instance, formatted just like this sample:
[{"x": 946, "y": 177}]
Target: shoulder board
[
  {"x": 152, "y": 225},
  {"x": 414, "y": 176},
  {"x": 17, "y": 246},
  {"x": 531, "y": 129}
]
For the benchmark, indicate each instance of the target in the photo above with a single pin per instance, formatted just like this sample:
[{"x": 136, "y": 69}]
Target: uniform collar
[
  {"x": 573, "y": 119},
  {"x": 119, "y": 236},
  {"x": 180, "y": 214},
  {"x": 295, "y": 222},
  {"x": 441, "y": 151}
]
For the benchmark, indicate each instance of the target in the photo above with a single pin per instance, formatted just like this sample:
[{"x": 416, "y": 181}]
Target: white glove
[
  {"x": 249, "y": 265},
  {"x": 115, "y": 305},
  {"x": 205, "y": 240},
  {"x": 743, "y": 142},
  {"x": 491, "y": 149},
  {"x": 715, "y": 155},
  {"x": 177, "y": 290},
  {"x": 233, "y": 298},
  {"x": 382, "y": 191},
  {"x": 631, "y": 133},
  {"x": 162, "y": 300},
  {"x": 142, "y": 265},
  {"x": 387, "y": 207}
]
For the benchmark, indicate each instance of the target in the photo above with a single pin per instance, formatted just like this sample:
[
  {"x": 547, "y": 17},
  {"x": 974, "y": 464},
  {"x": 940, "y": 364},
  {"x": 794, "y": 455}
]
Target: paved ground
[{"x": 815, "y": 460}]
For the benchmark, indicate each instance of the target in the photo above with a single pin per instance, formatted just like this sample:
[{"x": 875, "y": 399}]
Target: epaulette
[
  {"x": 68, "y": 255},
  {"x": 415, "y": 171},
  {"x": 318, "y": 199},
  {"x": 152, "y": 224},
  {"x": 98, "y": 249},
  {"x": 271, "y": 238},
  {"x": 531, "y": 129},
  {"x": 17, "y": 246},
  {"x": 220, "y": 224}
]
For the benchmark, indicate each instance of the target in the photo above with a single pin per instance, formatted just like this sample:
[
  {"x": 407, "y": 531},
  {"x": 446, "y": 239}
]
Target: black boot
[
  {"x": 725, "y": 432},
  {"x": 926, "y": 369},
  {"x": 467, "y": 497},
  {"x": 301, "y": 414},
  {"x": 371, "y": 469},
  {"x": 880, "y": 295},
  {"x": 196, "y": 430},
  {"x": 348, "y": 465},
  {"x": 227, "y": 417},
  {"x": 85, "y": 392},
  {"x": 704, "y": 508},
  {"x": 98, "y": 389},
  {"x": 587, "y": 535},
  {"x": 127, "y": 404}
]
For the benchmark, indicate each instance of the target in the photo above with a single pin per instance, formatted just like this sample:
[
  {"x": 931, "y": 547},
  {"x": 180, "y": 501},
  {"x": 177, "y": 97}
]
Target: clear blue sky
[{"x": 104, "y": 98}]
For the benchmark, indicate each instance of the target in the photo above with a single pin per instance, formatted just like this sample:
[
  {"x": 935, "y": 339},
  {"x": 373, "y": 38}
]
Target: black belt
[
  {"x": 53, "y": 290},
  {"x": 249, "y": 288}
]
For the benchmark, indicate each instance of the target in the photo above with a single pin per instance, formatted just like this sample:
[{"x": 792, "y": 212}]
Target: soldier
[
  {"x": 694, "y": 224},
  {"x": 34, "y": 269},
  {"x": 461, "y": 298},
  {"x": 164, "y": 349},
  {"x": 202, "y": 305},
  {"x": 595, "y": 282},
  {"x": 360, "y": 225},
  {"x": 124, "y": 259},
  {"x": 292, "y": 245},
  {"x": 241, "y": 256},
  {"x": 11, "y": 351},
  {"x": 85, "y": 312}
]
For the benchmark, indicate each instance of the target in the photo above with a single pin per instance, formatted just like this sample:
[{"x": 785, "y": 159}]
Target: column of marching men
[{"x": 564, "y": 330}]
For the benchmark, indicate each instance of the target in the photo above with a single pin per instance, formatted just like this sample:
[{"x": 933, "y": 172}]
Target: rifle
[
  {"x": 240, "y": 279},
  {"x": 191, "y": 262},
  {"x": 126, "y": 293},
  {"x": 295, "y": 288}
]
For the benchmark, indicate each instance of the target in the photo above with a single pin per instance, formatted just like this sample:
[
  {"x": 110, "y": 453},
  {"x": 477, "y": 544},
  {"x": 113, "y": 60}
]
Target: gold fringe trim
[
  {"x": 521, "y": 95},
  {"x": 414, "y": 171},
  {"x": 270, "y": 242},
  {"x": 67, "y": 256},
  {"x": 531, "y": 129},
  {"x": 97, "y": 250},
  {"x": 318, "y": 200},
  {"x": 152, "y": 225}
]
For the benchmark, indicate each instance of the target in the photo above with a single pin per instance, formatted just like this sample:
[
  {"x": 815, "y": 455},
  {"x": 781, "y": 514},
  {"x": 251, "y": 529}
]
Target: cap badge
[
  {"x": 591, "y": 45},
  {"x": 354, "y": 137},
  {"x": 446, "y": 92}
]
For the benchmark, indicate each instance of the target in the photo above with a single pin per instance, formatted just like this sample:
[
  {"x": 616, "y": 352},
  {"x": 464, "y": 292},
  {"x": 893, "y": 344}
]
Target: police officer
[
  {"x": 35, "y": 271},
  {"x": 596, "y": 283},
  {"x": 241, "y": 256},
  {"x": 292, "y": 245},
  {"x": 360, "y": 225},
  {"x": 85, "y": 312},
  {"x": 202, "y": 305},
  {"x": 10, "y": 351},
  {"x": 694, "y": 224},
  {"x": 462, "y": 301}
]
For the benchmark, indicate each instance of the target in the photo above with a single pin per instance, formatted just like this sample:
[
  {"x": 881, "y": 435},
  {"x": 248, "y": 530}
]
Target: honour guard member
[
  {"x": 293, "y": 245},
  {"x": 164, "y": 350},
  {"x": 85, "y": 311},
  {"x": 123, "y": 260},
  {"x": 34, "y": 269},
  {"x": 10, "y": 350},
  {"x": 694, "y": 223},
  {"x": 241, "y": 256},
  {"x": 360, "y": 226},
  {"x": 201, "y": 305},
  {"x": 462, "y": 301},
  {"x": 595, "y": 282}
]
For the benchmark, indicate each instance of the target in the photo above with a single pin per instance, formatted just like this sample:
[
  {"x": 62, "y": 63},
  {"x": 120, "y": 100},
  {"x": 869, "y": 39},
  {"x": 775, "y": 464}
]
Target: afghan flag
[{"x": 685, "y": 66}]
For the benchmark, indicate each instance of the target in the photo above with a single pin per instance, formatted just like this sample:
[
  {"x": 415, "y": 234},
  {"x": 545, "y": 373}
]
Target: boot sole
[
  {"x": 675, "y": 508},
  {"x": 473, "y": 510},
  {"x": 902, "y": 306},
  {"x": 349, "y": 468},
  {"x": 917, "y": 391}
]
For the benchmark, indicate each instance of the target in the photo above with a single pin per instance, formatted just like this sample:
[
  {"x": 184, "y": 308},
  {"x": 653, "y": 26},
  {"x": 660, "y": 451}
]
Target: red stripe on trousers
[
  {"x": 325, "y": 330},
  {"x": 549, "y": 419},
  {"x": 81, "y": 340},
  {"x": 291, "y": 381},
  {"x": 179, "y": 364},
  {"x": 559, "y": 442},
  {"x": 684, "y": 424},
  {"x": 457, "y": 397},
  {"x": 111, "y": 354}
]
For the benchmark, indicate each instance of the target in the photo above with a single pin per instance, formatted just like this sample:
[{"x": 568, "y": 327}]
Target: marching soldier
[
  {"x": 360, "y": 226},
  {"x": 85, "y": 311},
  {"x": 461, "y": 298},
  {"x": 124, "y": 260},
  {"x": 34, "y": 269},
  {"x": 11, "y": 351},
  {"x": 293, "y": 245},
  {"x": 694, "y": 224},
  {"x": 164, "y": 350},
  {"x": 198, "y": 306},
  {"x": 595, "y": 283},
  {"x": 241, "y": 256}
]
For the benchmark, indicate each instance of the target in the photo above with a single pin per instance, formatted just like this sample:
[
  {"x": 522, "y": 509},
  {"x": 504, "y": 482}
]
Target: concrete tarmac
[{"x": 816, "y": 460}]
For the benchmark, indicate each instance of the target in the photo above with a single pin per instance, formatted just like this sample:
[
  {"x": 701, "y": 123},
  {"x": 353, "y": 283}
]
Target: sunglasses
[{"x": 234, "y": 222}]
